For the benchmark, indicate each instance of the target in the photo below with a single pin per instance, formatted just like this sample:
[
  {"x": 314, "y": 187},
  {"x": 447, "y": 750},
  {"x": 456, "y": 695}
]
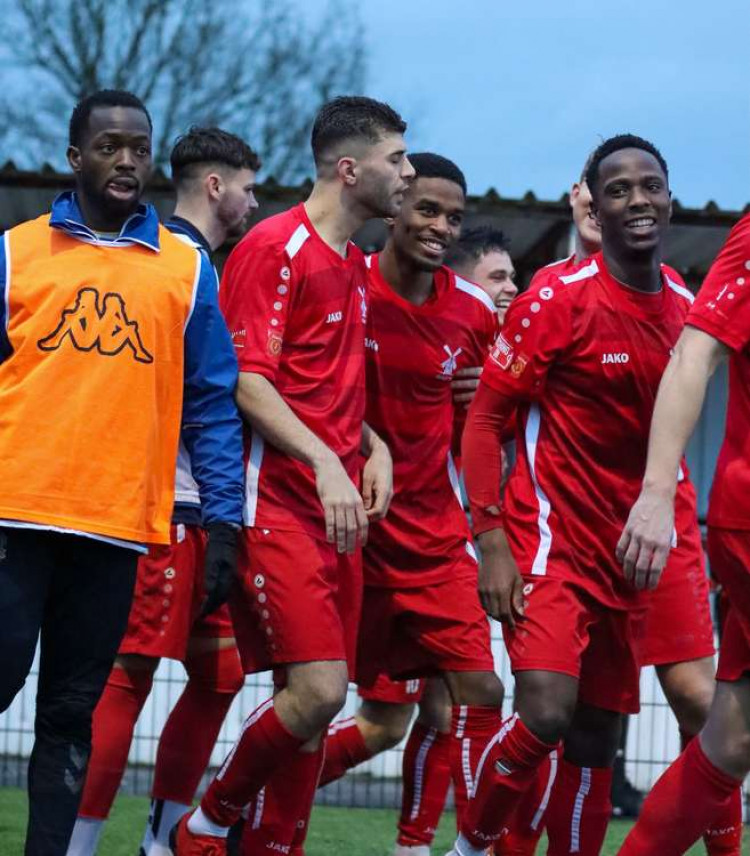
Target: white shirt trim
[
  {"x": 533, "y": 423},
  {"x": 586, "y": 272},
  {"x": 475, "y": 291},
  {"x": 299, "y": 236}
]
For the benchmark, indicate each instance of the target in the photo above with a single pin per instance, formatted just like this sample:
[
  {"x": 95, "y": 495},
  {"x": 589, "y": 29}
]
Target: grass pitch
[{"x": 333, "y": 831}]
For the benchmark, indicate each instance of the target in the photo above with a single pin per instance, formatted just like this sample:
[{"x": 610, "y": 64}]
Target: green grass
[{"x": 333, "y": 831}]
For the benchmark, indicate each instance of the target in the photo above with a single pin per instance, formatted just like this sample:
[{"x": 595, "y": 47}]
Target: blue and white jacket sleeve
[
  {"x": 5, "y": 348},
  {"x": 211, "y": 424}
]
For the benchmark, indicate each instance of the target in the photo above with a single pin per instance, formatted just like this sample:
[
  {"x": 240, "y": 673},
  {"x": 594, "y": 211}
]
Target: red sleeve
[
  {"x": 536, "y": 332},
  {"x": 256, "y": 289},
  {"x": 722, "y": 308},
  {"x": 482, "y": 456}
]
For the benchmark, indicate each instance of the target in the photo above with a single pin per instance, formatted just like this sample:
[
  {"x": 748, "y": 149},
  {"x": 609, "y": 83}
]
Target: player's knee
[
  {"x": 477, "y": 688},
  {"x": 384, "y": 726},
  {"x": 66, "y": 717},
  {"x": 546, "y": 702},
  {"x": 320, "y": 695},
  {"x": 593, "y": 738},
  {"x": 219, "y": 671}
]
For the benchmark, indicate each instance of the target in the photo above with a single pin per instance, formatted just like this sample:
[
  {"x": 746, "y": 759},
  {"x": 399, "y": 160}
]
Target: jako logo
[
  {"x": 333, "y": 317},
  {"x": 90, "y": 326},
  {"x": 615, "y": 358}
]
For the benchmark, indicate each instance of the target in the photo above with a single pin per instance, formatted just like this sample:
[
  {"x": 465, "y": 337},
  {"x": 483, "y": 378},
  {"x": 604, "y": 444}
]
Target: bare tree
[{"x": 258, "y": 67}]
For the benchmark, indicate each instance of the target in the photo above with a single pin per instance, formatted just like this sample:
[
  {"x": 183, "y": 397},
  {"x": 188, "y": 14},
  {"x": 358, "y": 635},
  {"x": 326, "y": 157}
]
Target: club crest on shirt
[
  {"x": 519, "y": 365},
  {"x": 273, "y": 345},
  {"x": 98, "y": 324},
  {"x": 502, "y": 352},
  {"x": 448, "y": 366}
]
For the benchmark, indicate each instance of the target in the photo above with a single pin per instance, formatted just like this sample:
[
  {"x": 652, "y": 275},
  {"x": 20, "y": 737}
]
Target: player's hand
[
  {"x": 220, "y": 565},
  {"x": 377, "y": 481},
  {"x": 645, "y": 542},
  {"x": 500, "y": 583},
  {"x": 346, "y": 519},
  {"x": 464, "y": 385}
]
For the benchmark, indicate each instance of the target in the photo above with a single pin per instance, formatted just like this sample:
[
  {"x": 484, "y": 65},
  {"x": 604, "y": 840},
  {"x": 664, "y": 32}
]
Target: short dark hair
[
  {"x": 616, "y": 144},
  {"x": 474, "y": 243},
  {"x": 429, "y": 165},
  {"x": 351, "y": 117},
  {"x": 201, "y": 146},
  {"x": 79, "y": 118}
]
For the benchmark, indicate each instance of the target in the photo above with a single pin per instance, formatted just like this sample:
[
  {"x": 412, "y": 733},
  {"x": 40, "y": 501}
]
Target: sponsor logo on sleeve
[{"x": 502, "y": 352}]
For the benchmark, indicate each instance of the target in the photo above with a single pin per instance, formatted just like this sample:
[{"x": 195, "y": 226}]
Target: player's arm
[
  {"x": 377, "y": 475},
  {"x": 644, "y": 545},
  {"x": 212, "y": 433},
  {"x": 516, "y": 371},
  {"x": 500, "y": 583},
  {"x": 266, "y": 410}
]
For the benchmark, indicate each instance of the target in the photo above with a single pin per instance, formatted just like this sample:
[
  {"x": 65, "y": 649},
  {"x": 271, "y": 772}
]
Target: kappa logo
[
  {"x": 617, "y": 359},
  {"x": 101, "y": 325},
  {"x": 449, "y": 365}
]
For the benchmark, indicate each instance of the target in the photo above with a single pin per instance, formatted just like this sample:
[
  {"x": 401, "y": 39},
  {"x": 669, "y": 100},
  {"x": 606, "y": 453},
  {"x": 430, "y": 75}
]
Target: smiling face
[
  {"x": 494, "y": 271},
  {"x": 429, "y": 222},
  {"x": 632, "y": 203},
  {"x": 112, "y": 163}
]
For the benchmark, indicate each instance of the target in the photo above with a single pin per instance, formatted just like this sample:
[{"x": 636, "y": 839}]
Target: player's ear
[
  {"x": 214, "y": 185},
  {"x": 74, "y": 158},
  {"x": 575, "y": 192},
  {"x": 346, "y": 169},
  {"x": 389, "y": 222}
]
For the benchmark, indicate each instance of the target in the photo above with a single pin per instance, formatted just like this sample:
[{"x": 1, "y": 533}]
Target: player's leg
[
  {"x": 84, "y": 620},
  {"x": 702, "y": 784},
  {"x": 127, "y": 688},
  {"x": 378, "y": 725},
  {"x": 580, "y": 803},
  {"x": 545, "y": 653},
  {"x": 270, "y": 632},
  {"x": 426, "y": 771},
  {"x": 215, "y": 677}
]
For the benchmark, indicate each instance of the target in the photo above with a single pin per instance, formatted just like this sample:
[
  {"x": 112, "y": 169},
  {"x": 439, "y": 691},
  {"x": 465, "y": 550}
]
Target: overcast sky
[{"x": 519, "y": 92}]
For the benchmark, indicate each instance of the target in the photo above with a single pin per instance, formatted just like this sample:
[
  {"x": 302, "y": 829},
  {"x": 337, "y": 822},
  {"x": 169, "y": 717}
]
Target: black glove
[{"x": 220, "y": 565}]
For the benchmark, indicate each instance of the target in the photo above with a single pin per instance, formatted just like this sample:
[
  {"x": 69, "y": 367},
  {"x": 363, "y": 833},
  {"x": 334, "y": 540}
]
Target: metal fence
[{"x": 653, "y": 739}]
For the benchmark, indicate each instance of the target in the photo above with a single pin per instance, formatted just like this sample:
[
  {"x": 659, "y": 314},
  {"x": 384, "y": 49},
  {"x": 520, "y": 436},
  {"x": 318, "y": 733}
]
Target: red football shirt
[
  {"x": 296, "y": 311},
  {"x": 722, "y": 309},
  {"x": 413, "y": 353},
  {"x": 583, "y": 356}
]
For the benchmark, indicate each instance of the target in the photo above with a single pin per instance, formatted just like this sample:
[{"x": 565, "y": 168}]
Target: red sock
[
  {"x": 190, "y": 732},
  {"x": 264, "y": 746},
  {"x": 112, "y": 733},
  {"x": 527, "y": 824},
  {"x": 472, "y": 728},
  {"x": 682, "y": 805},
  {"x": 506, "y": 769},
  {"x": 579, "y": 810},
  {"x": 724, "y": 836},
  {"x": 345, "y": 749},
  {"x": 426, "y": 777},
  {"x": 278, "y": 821}
]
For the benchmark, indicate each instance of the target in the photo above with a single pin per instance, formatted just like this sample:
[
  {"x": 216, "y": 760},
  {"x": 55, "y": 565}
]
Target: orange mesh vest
[{"x": 91, "y": 397}]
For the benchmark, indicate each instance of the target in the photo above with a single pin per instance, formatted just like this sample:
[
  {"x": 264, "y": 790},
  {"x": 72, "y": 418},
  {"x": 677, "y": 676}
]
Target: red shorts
[
  {"x": 418, "y": 632},
  {"x": 567, "y": 630},
  {"x": 679, "y": 626},
  {"x": 387, "y": 690},
  {"x": 168, "y": 596},
  {"x": 729, "y": 552},
  {"x": 298, "y": 600}
]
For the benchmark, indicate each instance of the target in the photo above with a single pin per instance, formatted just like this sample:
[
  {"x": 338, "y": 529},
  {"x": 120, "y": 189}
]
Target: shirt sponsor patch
[
  {"x": 273, "y": 345},
  {"x": 502, "y": 352}
]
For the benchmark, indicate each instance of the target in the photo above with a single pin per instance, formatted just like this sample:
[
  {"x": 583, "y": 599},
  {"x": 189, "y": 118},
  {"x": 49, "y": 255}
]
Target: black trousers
[{"x": 75, "y": 592}]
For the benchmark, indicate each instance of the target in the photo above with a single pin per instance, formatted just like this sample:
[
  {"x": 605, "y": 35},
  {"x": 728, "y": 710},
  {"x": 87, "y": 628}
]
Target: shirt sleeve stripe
[
  {"x": 299, "y": 236},
  {"x": 681, "y": 290},
  {"x": 475, "y": 291}
]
